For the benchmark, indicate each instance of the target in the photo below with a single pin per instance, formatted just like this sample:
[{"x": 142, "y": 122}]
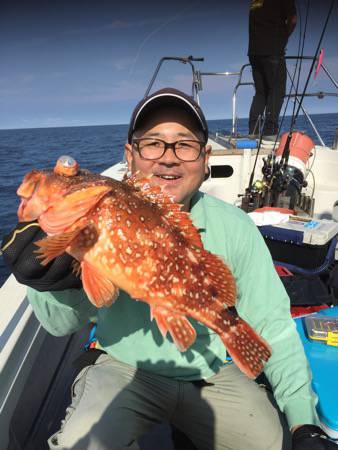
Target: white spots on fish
[
  {"x": 153, "y": 280},
  {"x": 159, "y": 235},
  {"x": 128, "y": 223},
  {"x": 207, "y": 281},
  {"x": 121, "y": 234},
  {"x": 142, "y": 218},
  {"x": 104, "y": 259},
  {"x": 129, "y": 251},
  {"x": 234, "y": 329},
  {"x": 122, "y": 258}
]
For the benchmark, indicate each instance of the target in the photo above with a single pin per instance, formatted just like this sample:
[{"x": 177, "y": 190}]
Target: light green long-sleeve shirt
[{"x": 126, "y": 332}]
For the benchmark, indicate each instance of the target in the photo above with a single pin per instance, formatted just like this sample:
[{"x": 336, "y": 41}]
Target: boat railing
[
  {"x": 197, "y": 85},
  {"x": 295, "y": 95},
  {"x": 196, "y": 80}
]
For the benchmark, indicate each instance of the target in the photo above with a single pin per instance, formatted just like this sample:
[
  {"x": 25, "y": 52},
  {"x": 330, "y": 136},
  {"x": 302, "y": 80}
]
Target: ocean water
[{"x": 95, "y": 148}]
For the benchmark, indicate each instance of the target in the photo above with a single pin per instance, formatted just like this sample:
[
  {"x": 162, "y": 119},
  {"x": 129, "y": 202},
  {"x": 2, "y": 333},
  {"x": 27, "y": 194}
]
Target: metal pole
[{"x": 330, "y": 76}]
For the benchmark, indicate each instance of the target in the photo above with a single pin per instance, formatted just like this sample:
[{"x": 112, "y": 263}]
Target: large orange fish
[{"x": 130, "y": 235}]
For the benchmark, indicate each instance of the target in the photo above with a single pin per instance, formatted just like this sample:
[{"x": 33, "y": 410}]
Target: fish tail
[{"x": 246, "y": 347}]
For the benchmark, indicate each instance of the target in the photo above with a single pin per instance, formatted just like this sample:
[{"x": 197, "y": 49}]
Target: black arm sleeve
[{"x": 18, "y": 252}]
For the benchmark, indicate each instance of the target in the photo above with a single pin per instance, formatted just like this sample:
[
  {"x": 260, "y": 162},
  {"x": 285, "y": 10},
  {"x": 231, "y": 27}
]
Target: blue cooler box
[{"x": 323, "y": 361}]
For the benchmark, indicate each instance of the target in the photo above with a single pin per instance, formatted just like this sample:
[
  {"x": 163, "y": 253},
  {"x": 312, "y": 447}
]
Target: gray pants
[{"x": 113, "y": 404}]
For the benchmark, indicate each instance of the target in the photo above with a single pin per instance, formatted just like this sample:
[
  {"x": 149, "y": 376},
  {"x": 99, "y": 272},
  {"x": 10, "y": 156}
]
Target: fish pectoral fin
[
  {"x": 71, "y": 208},
  {"x": 99, "y": 289},
  {"x": 52, "y": 246},
  {"x": 179, "y": 327}
]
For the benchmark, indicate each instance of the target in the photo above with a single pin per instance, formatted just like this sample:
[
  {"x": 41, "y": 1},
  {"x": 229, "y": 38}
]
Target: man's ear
[
  {"x": 128, "y": 154},
  {"x": 207, "y": 152}
]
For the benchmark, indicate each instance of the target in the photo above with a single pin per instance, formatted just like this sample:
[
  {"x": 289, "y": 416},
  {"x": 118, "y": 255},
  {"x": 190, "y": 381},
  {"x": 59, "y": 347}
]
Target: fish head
[
  {"x": 38, "y": 191},
  {"x": 58, "y": 198}
]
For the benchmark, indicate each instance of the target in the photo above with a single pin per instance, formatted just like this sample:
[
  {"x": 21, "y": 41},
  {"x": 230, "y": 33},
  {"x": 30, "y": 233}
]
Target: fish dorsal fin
[{"x": 171, "y": 211}]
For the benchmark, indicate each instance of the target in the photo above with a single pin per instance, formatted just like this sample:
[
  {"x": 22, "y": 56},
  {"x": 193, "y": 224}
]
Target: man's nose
[{"x": 169, "y": 156}]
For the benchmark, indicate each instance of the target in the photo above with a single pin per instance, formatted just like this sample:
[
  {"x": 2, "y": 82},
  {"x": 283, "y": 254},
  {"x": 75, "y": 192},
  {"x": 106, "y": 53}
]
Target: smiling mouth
[{"x": 168, "y": 177}]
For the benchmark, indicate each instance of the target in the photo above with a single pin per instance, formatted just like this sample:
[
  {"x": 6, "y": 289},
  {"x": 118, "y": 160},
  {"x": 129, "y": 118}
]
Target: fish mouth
[{"x": 21, "y": 209}]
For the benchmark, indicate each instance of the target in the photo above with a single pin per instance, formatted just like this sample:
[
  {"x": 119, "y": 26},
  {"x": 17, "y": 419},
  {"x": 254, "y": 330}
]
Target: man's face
[{"x": 179, "y": 178}]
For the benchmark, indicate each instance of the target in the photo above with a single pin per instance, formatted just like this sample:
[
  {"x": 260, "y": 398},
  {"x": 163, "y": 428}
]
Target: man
[
  {"x": 271, "y": 22},
  {"x": 143, "y": 379}
]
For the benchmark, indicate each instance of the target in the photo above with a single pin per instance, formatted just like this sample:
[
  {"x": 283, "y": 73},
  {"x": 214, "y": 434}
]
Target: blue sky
[{"x": 67, "y": 63}]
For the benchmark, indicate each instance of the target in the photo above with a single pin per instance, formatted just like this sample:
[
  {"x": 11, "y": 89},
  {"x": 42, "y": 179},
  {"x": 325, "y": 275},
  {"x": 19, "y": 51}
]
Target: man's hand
[
  {"x": 311, "y": 437},
  {"x": 18, "y": 252}
]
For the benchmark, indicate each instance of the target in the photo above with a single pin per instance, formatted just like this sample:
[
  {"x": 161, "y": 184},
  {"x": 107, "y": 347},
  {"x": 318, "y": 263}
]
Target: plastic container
[
  {"x": 323, "y": 361},
  {"x": 323, "y": 329}
]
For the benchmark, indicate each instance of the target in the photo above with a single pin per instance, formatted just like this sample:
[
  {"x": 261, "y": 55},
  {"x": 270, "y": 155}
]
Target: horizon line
[{"x": 127, "y": 124}]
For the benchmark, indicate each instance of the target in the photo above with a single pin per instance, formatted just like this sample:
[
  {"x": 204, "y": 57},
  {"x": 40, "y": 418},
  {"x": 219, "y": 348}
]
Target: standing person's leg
[
  {"x": 232, "y": 412},
  {"x": 112, "y": 405},
  {"x": 275, "y": 75},
  {"x": 260, "y": 97}
]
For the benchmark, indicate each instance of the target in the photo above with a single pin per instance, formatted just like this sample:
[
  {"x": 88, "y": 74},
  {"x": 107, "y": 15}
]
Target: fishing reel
[{"x": 283, "y": 177}]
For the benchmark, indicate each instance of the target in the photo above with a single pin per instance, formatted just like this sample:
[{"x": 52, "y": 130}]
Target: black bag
[{"x": 307, "y": 290}]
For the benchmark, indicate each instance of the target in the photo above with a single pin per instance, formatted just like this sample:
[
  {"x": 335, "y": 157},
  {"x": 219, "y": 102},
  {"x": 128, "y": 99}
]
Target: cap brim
[{"x": 166, "y": 99}]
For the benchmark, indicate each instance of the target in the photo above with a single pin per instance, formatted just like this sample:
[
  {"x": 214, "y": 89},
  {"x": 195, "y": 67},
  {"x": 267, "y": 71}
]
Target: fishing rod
[
  {"x": 298, "y": 61},
  {"x": 286, "y": 151},
  {"x": 278, "y": 176}
]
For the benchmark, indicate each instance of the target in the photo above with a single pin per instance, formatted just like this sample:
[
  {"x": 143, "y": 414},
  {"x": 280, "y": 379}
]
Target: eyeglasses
[{"x": 152, "y": 149}]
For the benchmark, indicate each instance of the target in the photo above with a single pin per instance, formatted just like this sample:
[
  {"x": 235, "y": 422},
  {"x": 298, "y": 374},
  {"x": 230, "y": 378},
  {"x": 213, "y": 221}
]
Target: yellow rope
[{"x": 34, "y": 224}]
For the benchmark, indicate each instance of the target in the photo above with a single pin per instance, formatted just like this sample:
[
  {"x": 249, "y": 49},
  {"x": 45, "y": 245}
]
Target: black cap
[{"x": 165, "y": 97}]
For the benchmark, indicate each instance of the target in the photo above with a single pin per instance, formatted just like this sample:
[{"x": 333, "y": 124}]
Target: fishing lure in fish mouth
[{"x": 131, "y": 235}]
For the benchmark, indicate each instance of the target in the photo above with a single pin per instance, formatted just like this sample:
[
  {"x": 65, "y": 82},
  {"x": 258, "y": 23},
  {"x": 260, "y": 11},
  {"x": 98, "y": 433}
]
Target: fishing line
[
  {"x": 286, "y": 151},
  {"x": 159, "y": 28},
  {"x": 301, "y": 56},
  {"x": 312, "y": 65}
]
